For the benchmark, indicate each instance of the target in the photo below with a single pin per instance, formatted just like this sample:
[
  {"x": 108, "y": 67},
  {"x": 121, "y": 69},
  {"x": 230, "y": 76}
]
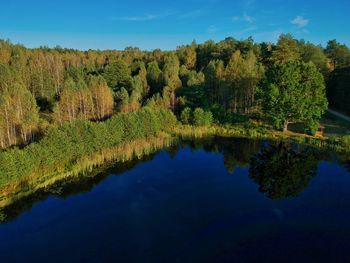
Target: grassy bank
[
  {"x": 260, "y": 131},
  {"x": 79, "y": 147},
  {"x": 18, "y": 189}
]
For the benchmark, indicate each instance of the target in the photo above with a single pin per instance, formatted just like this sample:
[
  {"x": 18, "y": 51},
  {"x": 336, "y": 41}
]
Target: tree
[
  {"x": 66, "y": 108},
  {"x": 122, "y": 99},
  {"x": 7, "y": 77},
  {"x": 315, "y": 54},
  {"x": 136, "y": 93},
  {"x": 187, "y": 55},
  {"x": 338, "y": 54},
  {"x": 154, "y": 77},
  {"x": 19, "y": 116},
  {"x": 201, "y": 117},
  {"x": 294, "y": 92},
  {"x": 287, "y": 49},
  {"x": 205, "y": 53},
  {"x": 171, "y": 71},
  {"x": 214, "y": 76},
  {"x": 139, "y": 69},
  {"x": 252, "y": 74},
  {"x": 233, "y": 76},
  {"x": 81, "y": 101},
  {"x": 118, "y": 75},
  {"x": 242, "y": 76},
  {"x": 186, "y": 116},
  {"x": 102, "y": 98}
]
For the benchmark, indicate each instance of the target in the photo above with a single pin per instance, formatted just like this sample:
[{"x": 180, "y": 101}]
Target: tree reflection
[{"x": 281, "y": 171}]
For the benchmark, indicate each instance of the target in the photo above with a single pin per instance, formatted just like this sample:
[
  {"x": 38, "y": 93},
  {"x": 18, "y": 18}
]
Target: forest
[{"x": 226, "y": 82}]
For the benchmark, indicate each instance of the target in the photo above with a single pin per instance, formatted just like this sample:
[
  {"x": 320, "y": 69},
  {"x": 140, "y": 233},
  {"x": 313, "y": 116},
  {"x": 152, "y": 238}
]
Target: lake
[{"x": 214, "y": 200}]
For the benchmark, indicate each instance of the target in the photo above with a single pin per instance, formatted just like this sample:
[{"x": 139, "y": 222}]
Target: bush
[
  {"x": 312, "y": 127},
  {"x": 186, "y": 116},
  {"x": 201, "y": 117}
]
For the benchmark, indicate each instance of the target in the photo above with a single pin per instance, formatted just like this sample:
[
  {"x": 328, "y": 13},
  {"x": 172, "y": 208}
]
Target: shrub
[
  {"x": 186, "y": 116},
  {"x": 311, "y": 127},
  {"x": 201, "y": 117}
]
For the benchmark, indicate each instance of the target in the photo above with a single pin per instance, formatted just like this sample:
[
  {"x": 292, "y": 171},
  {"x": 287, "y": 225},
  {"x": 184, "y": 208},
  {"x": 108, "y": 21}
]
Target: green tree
[
  {"x": 201, "y": 117},
  {"x": 214, "y": 77},
  {"x": 287, "y": 49},
  {"x": 154, "y": 77},
  {"x": 118, "y": 75},
  {"x": 315, "y": 54},
  {"x": 171, "y": 71},
  {"x": 338, "y": 54},
  {"x": 233, "y": 76},
  {"x": 187, "y": 55},
  {"x": 242, "y": 76},
  {"x": 294, "y": 92}
]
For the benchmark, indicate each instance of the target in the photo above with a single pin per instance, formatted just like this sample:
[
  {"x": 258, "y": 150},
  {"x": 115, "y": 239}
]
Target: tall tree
[
  {"x": 19, "y": 116},
  {"x": 234, "y": 75},
  {"x": 242, "y": 77},
  {"x": 294, "y": 92},
  {"x": 102, "y": 98},
  {"x": 214, "y": 76},
  {"x": 187, "y": 55},
  {"x": 154, "y": 77},
  {"x": 171, "y": 71},
  {"x": 287, "y": 49},
  {"x": 118, "y": 75},
  {"x": 315, "y": 54},
  {"x": 338, "y": 54}
]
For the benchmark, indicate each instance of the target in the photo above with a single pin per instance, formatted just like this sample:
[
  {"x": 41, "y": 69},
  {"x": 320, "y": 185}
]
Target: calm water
[{"x": 223, "y": 200}]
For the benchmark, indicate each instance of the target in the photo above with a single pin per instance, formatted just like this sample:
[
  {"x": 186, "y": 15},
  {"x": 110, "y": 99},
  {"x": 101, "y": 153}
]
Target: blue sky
[{"x": 165, "y": 24}]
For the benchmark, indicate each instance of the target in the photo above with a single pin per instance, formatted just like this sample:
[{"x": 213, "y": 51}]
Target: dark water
[{"x": 223, "y": 200}]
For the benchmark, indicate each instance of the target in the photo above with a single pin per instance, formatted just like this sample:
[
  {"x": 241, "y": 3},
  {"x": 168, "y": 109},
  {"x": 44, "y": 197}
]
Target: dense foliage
[
  {"x": 63, "y": 147},
  {"x": 295, "y": 92},
  {"x": 221, "y": 82}
]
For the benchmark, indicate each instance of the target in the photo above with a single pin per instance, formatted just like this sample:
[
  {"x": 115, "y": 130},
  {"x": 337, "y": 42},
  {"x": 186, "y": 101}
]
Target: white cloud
[
  {"x": 249, "y": 3},
  {"x": 248, "y": 19},
  {"x": 138, "y": 18},
  {"x": 235, "y": 18},
  {"x": 244, "y": 18},
  {"x": 172, "y": 14},
  {"x": 141, "y": 18},
  {"x": 191, "y": 14},
  {"x": 302, "y": 32},
  {"x": 300, "y": 21},
  {"x": 245, "y": 31},
  {"x": 212, "y": 29}
]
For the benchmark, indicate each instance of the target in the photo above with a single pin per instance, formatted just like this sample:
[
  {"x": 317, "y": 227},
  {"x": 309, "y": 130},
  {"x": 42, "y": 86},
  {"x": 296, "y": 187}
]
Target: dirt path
[{"x": 340, "y": 115}]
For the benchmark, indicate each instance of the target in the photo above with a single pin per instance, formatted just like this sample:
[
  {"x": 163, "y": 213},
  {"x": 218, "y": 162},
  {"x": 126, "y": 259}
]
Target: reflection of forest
[
  {"x": 237, "y": 152},
  {"x": 281, "y": 171}
]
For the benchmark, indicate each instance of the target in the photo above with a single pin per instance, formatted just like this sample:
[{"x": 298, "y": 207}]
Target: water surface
[{"x": 221, "y": 200}]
